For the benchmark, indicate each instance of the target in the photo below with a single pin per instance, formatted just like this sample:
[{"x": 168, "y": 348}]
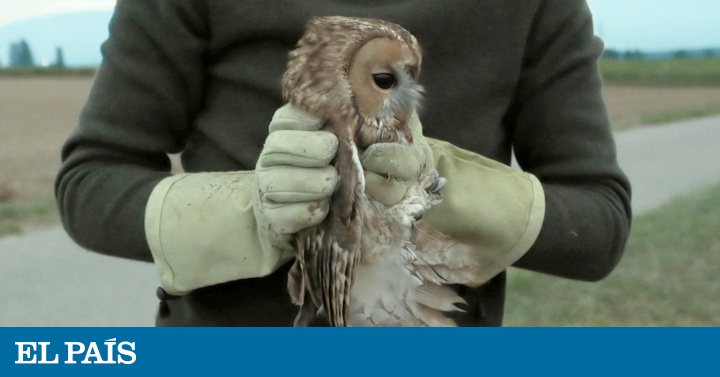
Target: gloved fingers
[
  {"x": 288, "y": 218},
  {"x": 298, "y": 148},
  {"x": 288, "y": 184},
  {"x": 290, "y": 117},
  {"x": 385, "y": 189},
  {"x": 429, "y": 158},
  {"x": 395, "y": 160}
]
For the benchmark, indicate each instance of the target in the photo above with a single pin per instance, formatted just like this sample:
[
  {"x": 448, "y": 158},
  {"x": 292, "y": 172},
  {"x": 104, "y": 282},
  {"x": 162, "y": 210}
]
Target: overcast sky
[
  {"x": 649, "y": 25},
  {"x": 653, "y": 25},
  {"x": 15, "y": 10}
]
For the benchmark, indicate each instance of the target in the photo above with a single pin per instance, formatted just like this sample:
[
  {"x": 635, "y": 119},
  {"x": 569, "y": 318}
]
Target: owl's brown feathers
[
  {"x": 316, "y": 78},
  {"x": 367, "y": 263}
]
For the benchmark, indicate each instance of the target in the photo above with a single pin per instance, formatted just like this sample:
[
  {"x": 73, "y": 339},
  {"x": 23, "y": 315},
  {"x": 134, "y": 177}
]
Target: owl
[{"x": 368, "y": 264}]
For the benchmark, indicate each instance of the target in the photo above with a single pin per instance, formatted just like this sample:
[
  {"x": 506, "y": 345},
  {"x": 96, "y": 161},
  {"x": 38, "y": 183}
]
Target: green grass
[
  {"x": 674, "y": 116},
  {"x": 668, "y": 277},
  {"x": 14, "y": 217},
  {"x": 665, "y": 72},
  {"x": 43, "y": 72}
]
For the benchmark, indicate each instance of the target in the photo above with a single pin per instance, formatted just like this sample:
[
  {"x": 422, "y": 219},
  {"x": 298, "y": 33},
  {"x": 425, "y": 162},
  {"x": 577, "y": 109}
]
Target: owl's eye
[{"x": 384, "y": 80}]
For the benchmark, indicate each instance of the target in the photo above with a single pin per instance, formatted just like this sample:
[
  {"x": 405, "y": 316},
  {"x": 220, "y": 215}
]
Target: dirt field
[
  {"x": 628, "y": 104},
  {"x": 37, "y": 114}
]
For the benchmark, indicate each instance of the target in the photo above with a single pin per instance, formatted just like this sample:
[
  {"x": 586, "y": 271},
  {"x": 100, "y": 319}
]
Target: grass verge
[
  {"x": 16, "y": 217},
  {"x": 668, "y": 276},
  {"x": 662, "y": 72},
  {"x": 675, "y": 116},
  {"x": 44, "y": 72}
]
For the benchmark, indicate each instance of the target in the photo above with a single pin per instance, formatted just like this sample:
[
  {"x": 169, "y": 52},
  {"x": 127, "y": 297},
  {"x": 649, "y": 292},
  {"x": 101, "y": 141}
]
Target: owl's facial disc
[{"x": 380, "y": 72}]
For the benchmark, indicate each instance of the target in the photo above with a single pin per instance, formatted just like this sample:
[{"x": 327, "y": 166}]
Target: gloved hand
[
  {"x": 495, "y": 209},
  {"x": 295, "y": 179},
  {"x": 210, "y": 228},
  {"x": 391, "y": 169}
]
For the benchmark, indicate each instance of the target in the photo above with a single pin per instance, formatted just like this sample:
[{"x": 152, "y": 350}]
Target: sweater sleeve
[
  {"x": 140, "y": 107},
  {"x": 562, "y": 135}
]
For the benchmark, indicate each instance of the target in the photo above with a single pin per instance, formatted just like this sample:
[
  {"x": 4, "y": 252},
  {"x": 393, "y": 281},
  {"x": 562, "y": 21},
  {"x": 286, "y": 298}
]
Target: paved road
[
  {"x": 46, "y": 280},
  {"x": 664, "y": 162}
]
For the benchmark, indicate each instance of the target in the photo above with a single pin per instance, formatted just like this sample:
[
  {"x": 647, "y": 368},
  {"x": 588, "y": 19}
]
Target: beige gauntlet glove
[
  {"x": 295, "y": 179},
  {"x": 209, "y": 228},
  {"x": 495, "y": 209},
  {"x": 488, "y": 205}
]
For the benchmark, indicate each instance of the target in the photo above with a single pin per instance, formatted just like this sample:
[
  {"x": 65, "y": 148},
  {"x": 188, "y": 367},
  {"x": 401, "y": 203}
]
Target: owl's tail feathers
[
  {"x": 438, "y": 297},
  {"x": 431, "y": 301},
  {"x": 388, "y": 291},
  {"x": 442, "y": 260}
]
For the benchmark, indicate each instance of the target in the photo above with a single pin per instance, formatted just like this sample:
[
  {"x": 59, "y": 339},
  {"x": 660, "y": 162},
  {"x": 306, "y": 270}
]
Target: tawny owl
[{"x": 368, "y": 264}]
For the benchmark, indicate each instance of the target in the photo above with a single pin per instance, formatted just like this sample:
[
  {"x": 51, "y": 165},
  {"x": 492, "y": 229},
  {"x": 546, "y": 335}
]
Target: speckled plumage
[{"x": 367, "y": 263}]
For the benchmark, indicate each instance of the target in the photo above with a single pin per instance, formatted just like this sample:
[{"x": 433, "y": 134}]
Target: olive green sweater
[{"x": 203, "y": 77}]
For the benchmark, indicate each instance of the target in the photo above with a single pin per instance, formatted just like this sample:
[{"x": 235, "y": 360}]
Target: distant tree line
[
  {"x": 21, "y": 56},
  {"x": 636, "y": 54}
]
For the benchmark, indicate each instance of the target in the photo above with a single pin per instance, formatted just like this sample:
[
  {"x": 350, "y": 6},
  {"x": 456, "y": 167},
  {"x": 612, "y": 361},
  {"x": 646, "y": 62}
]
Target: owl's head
[{"x": 360, "y": 72}]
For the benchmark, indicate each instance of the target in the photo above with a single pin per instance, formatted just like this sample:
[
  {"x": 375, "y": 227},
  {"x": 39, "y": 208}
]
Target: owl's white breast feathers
[
  {"x": 402, "y": 278},
  {"x": 389, "y": 292}
]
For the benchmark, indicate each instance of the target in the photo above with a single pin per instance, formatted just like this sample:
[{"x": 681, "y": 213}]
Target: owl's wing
[{"x": 325, "y": 270}]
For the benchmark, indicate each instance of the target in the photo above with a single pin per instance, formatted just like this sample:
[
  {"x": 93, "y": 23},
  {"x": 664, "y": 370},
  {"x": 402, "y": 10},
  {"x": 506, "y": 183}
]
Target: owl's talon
[{"x": 437, "y": 185}]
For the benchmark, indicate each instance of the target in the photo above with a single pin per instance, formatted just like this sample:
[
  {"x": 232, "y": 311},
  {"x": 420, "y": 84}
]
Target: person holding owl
[{"x": 202, "y": 78}]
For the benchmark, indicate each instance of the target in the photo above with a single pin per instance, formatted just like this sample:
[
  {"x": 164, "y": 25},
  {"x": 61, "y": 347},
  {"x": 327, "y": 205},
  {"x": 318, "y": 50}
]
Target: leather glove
[
  {"x": 391, "y": 169},
  {"x": 495, "y": 209},
  {"x": 210, "y": 228},
  {"x": 295, "y": 179},
  {"x": 489, "y": 206}
]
